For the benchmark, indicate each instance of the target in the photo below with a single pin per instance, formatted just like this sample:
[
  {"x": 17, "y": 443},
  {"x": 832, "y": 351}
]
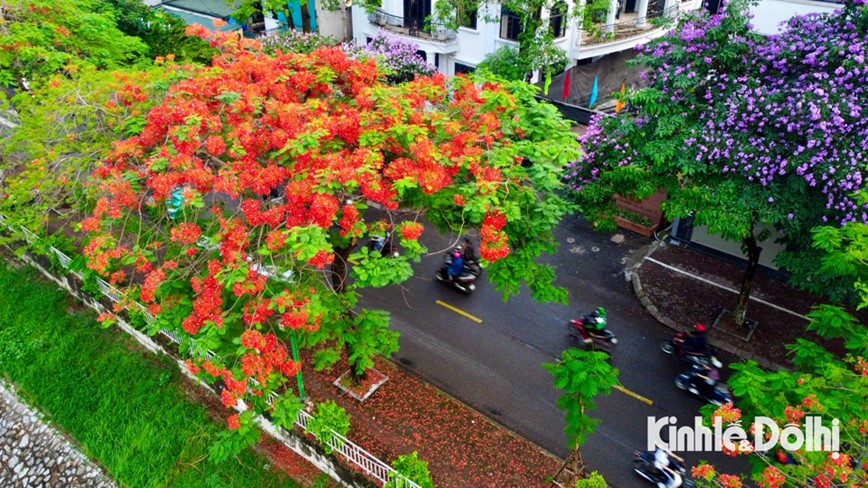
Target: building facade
[{"x": 626, "y": 24}]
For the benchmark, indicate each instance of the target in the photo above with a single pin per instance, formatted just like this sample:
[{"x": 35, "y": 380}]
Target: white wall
[
  {"x": 332, "y": 22},
  {"x": 475, "y": 44},
  {"x": 770, "y": 248},
  {"x": 769, "y": 14}
]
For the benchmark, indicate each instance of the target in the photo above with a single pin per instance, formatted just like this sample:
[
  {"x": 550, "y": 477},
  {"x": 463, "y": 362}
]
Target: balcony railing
[
  {"x": 629, "y": 27},
  {"x": 411, "y": 27}
]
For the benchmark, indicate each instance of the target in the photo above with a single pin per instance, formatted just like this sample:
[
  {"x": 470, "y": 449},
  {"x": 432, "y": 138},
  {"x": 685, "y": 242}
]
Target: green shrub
[
  {"x": 506, "y": 63},
  {"x": 594, "y": 480},
  {"x": 329, "y": 417},
  {"x": 412, "y": 468}
]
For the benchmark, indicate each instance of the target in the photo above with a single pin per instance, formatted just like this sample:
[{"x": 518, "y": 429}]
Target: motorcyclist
[
  {"x": 455, "y": 268},
  {"x": 662, "y": 462},
  {"x": 695, "y": 341},
  {"x": 595, "y": 322},
  {"x": 705, "y": 381},
  {"x": 471, "y": 253}
]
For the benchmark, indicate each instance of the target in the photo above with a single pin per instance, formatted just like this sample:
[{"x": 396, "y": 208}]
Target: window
[
  {"x": 510, "y": 24},
  {"x": 468, "y": 18},
  {"x": 463, "y": 68},
  {"x": 557, "y": 20}
]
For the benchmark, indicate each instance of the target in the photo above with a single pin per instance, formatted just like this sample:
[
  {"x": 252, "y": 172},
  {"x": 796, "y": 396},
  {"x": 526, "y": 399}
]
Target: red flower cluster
[
  {"x": 152, "y": 281},
  {"x": 703, "y": 471},
  {"x": 810, "y": 402},
  {"x": 257, "y": 311},
  {"x": 208, "y": 301},
  {"x": 728, "y": 413},
  {"x": 411, "y": 230},
  {"x": 494, "y": 241},
  {"x": 233, "y": 241},
  {"x": 255, "y": 216},
  {"x": 185, "y": 233},
  {"x": 730, "y": 481},
  {"x": 253, "y": 284},
  {"x": 321, "y": 258},
  {"x": 265, "y": 355},
  {"x": 794, "y": 414},
  {"x": 773, "y": 478},
  {"x": 349, "y": 220}
]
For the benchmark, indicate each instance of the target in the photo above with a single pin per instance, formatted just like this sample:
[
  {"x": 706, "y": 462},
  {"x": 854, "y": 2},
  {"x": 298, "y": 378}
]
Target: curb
[{"x": 632, "y": 273}]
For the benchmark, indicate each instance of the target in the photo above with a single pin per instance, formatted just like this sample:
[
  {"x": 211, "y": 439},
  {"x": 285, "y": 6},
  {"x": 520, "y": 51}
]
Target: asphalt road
[{"x": 494, "y": 365}]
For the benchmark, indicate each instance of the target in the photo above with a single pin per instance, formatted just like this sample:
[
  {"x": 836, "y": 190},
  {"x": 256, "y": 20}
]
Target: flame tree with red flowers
[{"x": 233, "y": 213}]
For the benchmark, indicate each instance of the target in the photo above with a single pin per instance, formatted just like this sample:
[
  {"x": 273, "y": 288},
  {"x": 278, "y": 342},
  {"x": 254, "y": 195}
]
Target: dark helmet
[
  {"x": 601, "y": 312},
  {"x": 699, "y": 327}
]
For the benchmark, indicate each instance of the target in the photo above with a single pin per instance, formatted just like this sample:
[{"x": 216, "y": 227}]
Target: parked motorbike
[
  {"x": 464, "y": 282},
  {"x": 688, "y": 380},
  {"x": 643, "y": 464},
  {"x": 605, "y": 340},
  {"x": 675, "y": 346},
  {"x": 383, "y": 245}
]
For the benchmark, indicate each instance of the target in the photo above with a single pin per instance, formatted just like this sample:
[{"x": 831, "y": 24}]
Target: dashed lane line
[
  {"x": 459, "y": 311},
  {"x": 633, "y": 394}
]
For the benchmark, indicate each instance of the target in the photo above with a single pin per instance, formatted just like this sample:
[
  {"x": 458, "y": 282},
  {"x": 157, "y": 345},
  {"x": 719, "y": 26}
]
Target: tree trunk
[
  {"x": 345, "y": 19},
  {"x": 571, "y": 469},
  {"x": 753, "y": 254},
  {"x": 339, "y": 268},
  {"x": 305, "y": 16}
]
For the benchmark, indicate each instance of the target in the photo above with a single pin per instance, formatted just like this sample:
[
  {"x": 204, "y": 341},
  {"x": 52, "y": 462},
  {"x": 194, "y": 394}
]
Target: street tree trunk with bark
[{"x": 750, "y": 245}]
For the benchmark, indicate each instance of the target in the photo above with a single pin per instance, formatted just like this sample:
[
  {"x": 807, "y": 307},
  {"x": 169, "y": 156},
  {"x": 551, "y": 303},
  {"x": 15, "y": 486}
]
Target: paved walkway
[
  {"x": 680, "y": 286},
  {"x": 32, "y": 454}
]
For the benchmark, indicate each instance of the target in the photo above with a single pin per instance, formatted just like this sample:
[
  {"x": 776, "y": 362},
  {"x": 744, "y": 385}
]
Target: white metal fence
[{"x": 353, "y": 453}]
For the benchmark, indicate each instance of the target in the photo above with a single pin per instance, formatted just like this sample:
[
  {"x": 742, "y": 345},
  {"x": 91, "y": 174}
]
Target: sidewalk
[
  {"x": 463, "y": 447},
  {"x": 680, "y": 286},
  {"x": 32, "y": 453}
]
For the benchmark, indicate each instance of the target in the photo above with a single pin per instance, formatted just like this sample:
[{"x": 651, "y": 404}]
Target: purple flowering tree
[
  {"x": 293, "y": 41},
  {"x": 397, "y": 58},
  {"x": 742, "y": 130}
]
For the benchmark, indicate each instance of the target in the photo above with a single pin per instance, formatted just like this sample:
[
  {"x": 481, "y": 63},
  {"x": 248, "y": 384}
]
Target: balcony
[
  {"x": 629, "y": 25},
  {"x": 628, "y": 31},
  {"x": 434, "y": 32}
]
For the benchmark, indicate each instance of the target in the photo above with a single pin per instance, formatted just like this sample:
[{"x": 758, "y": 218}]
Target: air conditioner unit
[
  {"x": 440, "y": 33},
  {"x": 376, "y": 17}
]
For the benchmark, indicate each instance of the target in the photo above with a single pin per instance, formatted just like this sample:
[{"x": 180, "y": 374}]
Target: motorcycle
[
  {"x": 687, "y": 381},
  {"x": 605, "y": 340},
  {"x": 675, "y": 346},
  {"x": 383, "y": 245},
  {"x": 643, "y": 464},
  {"x": 464, "y": 282}
]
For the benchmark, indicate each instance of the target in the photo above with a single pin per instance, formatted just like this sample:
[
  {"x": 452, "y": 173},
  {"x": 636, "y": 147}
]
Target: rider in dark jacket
[
  {"x": 471, "y": 253},
  {"x": 695, "y": 341}
]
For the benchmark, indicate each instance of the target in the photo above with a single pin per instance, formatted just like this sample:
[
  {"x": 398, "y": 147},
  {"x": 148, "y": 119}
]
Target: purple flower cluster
[
  {"x": 293, "y": 41},
  {"x": 400, "y": 60},
  {"x": 771, "y": 110}
]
